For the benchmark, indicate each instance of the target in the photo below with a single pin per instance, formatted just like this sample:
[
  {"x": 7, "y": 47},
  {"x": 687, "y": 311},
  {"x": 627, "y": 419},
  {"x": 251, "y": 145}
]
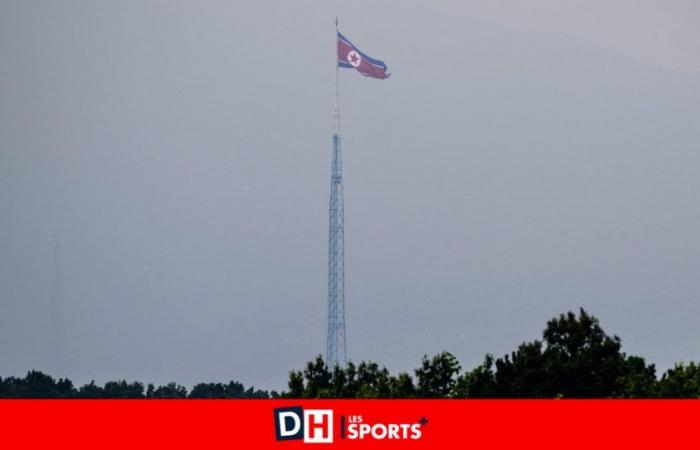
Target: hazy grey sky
[
  {"x": 525, "y": 158},
  {"x": 663, "y": 34}
]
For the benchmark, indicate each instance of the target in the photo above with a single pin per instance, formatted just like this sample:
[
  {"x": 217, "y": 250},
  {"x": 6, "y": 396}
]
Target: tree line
[
  {"x": 574, "y": 359},
  {"x": 39, "y": 385}
]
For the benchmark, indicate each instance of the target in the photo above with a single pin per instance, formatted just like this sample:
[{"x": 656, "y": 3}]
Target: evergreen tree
[
  {"x": 437, "y": 376},
  {"x": 681, "y": 381}
]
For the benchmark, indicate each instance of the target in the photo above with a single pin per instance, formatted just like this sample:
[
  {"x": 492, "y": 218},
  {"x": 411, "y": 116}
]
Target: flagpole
[{"x": 336, "y": 112}]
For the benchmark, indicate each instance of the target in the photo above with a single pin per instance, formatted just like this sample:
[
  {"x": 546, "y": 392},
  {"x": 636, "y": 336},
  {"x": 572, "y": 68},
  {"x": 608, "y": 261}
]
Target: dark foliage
[
  {"x": 574, "y": 359},
  {"x": 39, "y": 385},
  {"x": 682, "y": 381},
  {"x": 366, "y": 380},
  {"x": 36, "y": 385},
  {"x": 232, "y": 390}
]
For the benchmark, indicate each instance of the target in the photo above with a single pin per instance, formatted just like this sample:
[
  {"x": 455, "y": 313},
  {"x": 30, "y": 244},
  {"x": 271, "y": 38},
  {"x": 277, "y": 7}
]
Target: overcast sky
[{"x": 525, "y": 159}]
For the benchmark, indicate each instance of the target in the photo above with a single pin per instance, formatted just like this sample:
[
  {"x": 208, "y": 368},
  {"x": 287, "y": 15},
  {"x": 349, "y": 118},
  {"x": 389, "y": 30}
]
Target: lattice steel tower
[{"x": 336, "y": 346}]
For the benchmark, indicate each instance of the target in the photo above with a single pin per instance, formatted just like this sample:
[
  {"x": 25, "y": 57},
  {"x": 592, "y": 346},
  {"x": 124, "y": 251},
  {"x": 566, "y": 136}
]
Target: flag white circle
[{"x": 354, "y": 58}]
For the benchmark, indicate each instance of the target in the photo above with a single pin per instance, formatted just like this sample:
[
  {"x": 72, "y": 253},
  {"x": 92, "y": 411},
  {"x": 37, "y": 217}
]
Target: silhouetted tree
[
  {"x": 295, "y": 385},
  {"x": 576, "y": 359},
  {"x": 479, "y": 382},
  {"x": 170, "y": 390},
  {"x": 402, "y": 386},
  {"x": 437, "y": 376},
  {"x": 209, "y": 390},
  {"x": 339, "y": 383},
  {"x": 91, "y": 390},
  {"x": 638, "y": 379},
  {"x": 366, "y": 380},
  {"x": 232, "y": 390},
  {"x": 681, "y": 381},
  {"x": 122, "y": 389},
  {"x": 36, "y": 385},
  {"x": 318, "y": 379}
]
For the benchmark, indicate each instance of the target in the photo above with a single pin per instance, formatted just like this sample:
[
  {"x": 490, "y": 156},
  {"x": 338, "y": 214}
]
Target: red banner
[{"x": 281, "y": 424}]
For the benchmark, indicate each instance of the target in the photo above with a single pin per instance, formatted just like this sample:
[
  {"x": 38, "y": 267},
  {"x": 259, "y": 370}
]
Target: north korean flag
[{"x": 349, "y": 57}]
